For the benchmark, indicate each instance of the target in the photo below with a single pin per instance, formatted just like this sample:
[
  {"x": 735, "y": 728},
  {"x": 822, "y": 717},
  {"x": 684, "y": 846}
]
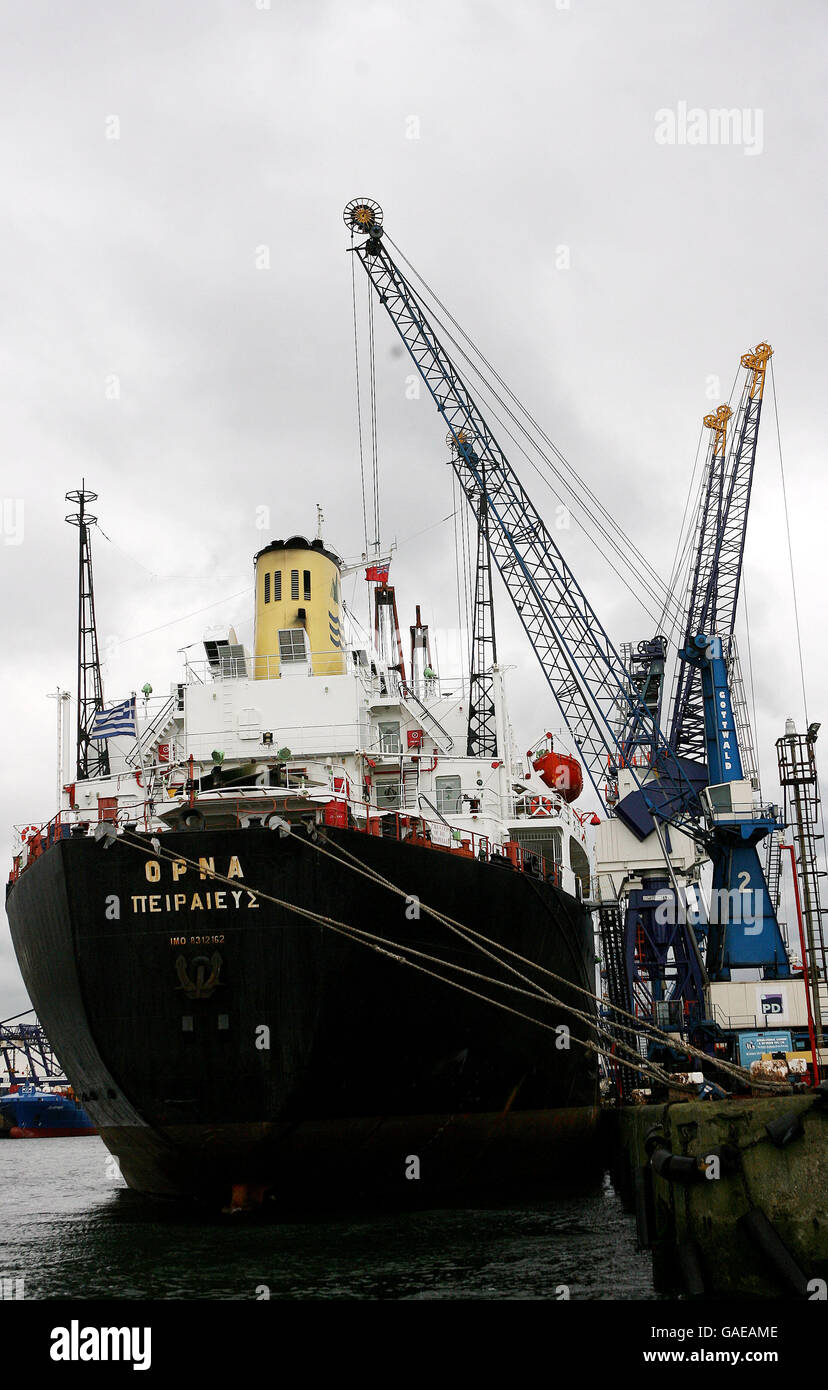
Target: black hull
[{"x": 158, "y": 1016}]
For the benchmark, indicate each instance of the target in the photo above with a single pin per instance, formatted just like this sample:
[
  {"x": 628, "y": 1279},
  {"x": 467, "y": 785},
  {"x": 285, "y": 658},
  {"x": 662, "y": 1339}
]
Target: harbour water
[{"x": 72, "y": 1230}]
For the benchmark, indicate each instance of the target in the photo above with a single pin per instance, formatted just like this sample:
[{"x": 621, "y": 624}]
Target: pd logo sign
[{"x": 771, "y": 1004}]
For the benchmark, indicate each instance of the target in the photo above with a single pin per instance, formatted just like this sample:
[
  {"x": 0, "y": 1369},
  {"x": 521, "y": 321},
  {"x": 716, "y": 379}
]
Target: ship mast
[{"x": 92, "y": 755}]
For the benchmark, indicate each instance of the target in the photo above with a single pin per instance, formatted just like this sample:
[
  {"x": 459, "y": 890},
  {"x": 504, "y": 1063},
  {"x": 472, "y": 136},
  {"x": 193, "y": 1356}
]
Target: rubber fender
[
  {"x": 688, "y": 1256},
  {"x": 678, "y": 1168},
  {"x": 761, "y": 1232},
  {"x": 655, "y": 1138},
  {"x": 785, "y": 1129}
]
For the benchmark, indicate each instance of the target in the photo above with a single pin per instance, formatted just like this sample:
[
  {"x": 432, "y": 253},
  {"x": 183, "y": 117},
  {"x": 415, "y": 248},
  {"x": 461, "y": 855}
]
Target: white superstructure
[{"x": 250, "y": 734}]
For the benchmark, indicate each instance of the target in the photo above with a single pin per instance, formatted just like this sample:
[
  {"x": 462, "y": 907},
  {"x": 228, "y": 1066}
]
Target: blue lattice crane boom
[
  {"x": 586, "y": 675},
  {"x": 715, "y": 581}
]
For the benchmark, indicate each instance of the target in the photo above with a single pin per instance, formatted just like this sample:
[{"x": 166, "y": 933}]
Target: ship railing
[
  {"x": 36, "y": 840},
  {"x": 157, "y": 726},
  {"x": 534, "y": 805},
  {"x": 400, "y": 825},
  {"x": 68, "y": 824},
  {"x": 443, "y": 738},
  {"x": 757, "y": 1022},
  {"x": 388, "y": 686},
  {"x": 268, "y": 667},
  {"x": 379, "y": 683},
  {"x": 443, "y": 687},
  {"x": 441, "y": 835}
]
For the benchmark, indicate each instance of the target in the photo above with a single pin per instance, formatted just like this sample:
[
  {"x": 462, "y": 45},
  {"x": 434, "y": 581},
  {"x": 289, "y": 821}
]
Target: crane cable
[
  {"x": 373, "y": 406},
  {"x": 819, "y": 932},
  {"x": 623, "y": 547},
  {"x": 790, "y": 547},
  {"x": 581, "y": 483},
  {"x": 458, "y": 521},
  {"x": 641, "y": 1026},
  {"x": 687, "y": 544},
  {"x": 377, "y": 943},
  {"x": 750, "y": 678},
  {"x": 653, "y": 595},
  {"x": 359, "y": 401},
  {"x": 688, "y": 539},
  {"x": 686, "y": 532},
  {"x": 466, "y": 561}
]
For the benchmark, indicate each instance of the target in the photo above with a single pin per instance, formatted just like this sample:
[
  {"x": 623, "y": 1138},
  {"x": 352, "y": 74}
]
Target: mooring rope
[
  {"x": 380, "y": 944},
  {"x": 650, "y": 1030}
]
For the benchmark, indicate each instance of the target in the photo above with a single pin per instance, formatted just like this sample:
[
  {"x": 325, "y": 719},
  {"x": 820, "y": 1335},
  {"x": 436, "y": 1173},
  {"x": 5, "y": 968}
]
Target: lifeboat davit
[{"x": 562, "y": 773}]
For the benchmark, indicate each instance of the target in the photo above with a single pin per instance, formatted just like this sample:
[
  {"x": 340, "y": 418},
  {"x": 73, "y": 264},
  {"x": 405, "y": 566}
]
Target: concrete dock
[{"x": 730, "y": 1196}]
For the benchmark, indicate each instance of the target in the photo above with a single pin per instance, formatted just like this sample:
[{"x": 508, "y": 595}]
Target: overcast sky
[{"x": 538, "y": 164}]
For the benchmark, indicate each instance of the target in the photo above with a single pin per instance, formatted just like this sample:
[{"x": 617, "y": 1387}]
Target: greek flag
[{"x": 118, "y": 719}]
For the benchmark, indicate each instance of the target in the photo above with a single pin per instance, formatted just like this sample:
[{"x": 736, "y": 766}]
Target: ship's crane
[
  {"x": 587, "y": 676},
  {"x": 482, "y": 722}
]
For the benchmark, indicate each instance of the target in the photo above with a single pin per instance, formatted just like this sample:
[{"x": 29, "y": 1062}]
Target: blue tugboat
[{"x": 28, "y": 1112}]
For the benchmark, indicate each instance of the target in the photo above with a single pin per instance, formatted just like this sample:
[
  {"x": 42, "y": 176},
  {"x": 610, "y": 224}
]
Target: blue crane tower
[
  {"x": 753, "y": 938},
  {"x": 586, "y": 675}
]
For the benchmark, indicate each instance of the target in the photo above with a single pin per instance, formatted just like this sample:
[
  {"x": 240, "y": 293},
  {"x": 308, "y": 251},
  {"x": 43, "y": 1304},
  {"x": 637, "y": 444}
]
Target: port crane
[
  {"x": 667, "y": 815},
  {"x": 650, "y": 967},
  {"x": 28, "y": 1042}
]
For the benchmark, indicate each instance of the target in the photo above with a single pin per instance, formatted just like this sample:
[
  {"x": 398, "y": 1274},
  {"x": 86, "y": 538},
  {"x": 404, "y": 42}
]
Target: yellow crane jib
[
  {"x": 718, "y": 422},
  {"x": 756, "y": 362}
]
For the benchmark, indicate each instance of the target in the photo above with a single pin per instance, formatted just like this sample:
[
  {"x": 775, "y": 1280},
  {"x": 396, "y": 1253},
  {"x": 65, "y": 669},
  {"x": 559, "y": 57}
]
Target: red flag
[{"x": 377, "y": 573}]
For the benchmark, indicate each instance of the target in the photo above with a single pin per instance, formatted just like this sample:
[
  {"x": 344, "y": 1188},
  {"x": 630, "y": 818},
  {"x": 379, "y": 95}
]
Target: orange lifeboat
[{"x": 562, "y": 773}]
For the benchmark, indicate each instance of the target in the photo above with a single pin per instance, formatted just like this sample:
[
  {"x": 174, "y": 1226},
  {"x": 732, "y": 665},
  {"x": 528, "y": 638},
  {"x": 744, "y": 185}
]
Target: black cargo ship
[
  {"x": 220, "y": 1042},
  {"x": 227, "y": 927}
]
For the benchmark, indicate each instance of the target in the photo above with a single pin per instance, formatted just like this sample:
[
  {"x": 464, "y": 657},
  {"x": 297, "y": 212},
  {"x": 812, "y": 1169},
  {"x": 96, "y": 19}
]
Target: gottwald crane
[
  {"x": 655, "y": 967},
  {"x": 665, "y": 819}
]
